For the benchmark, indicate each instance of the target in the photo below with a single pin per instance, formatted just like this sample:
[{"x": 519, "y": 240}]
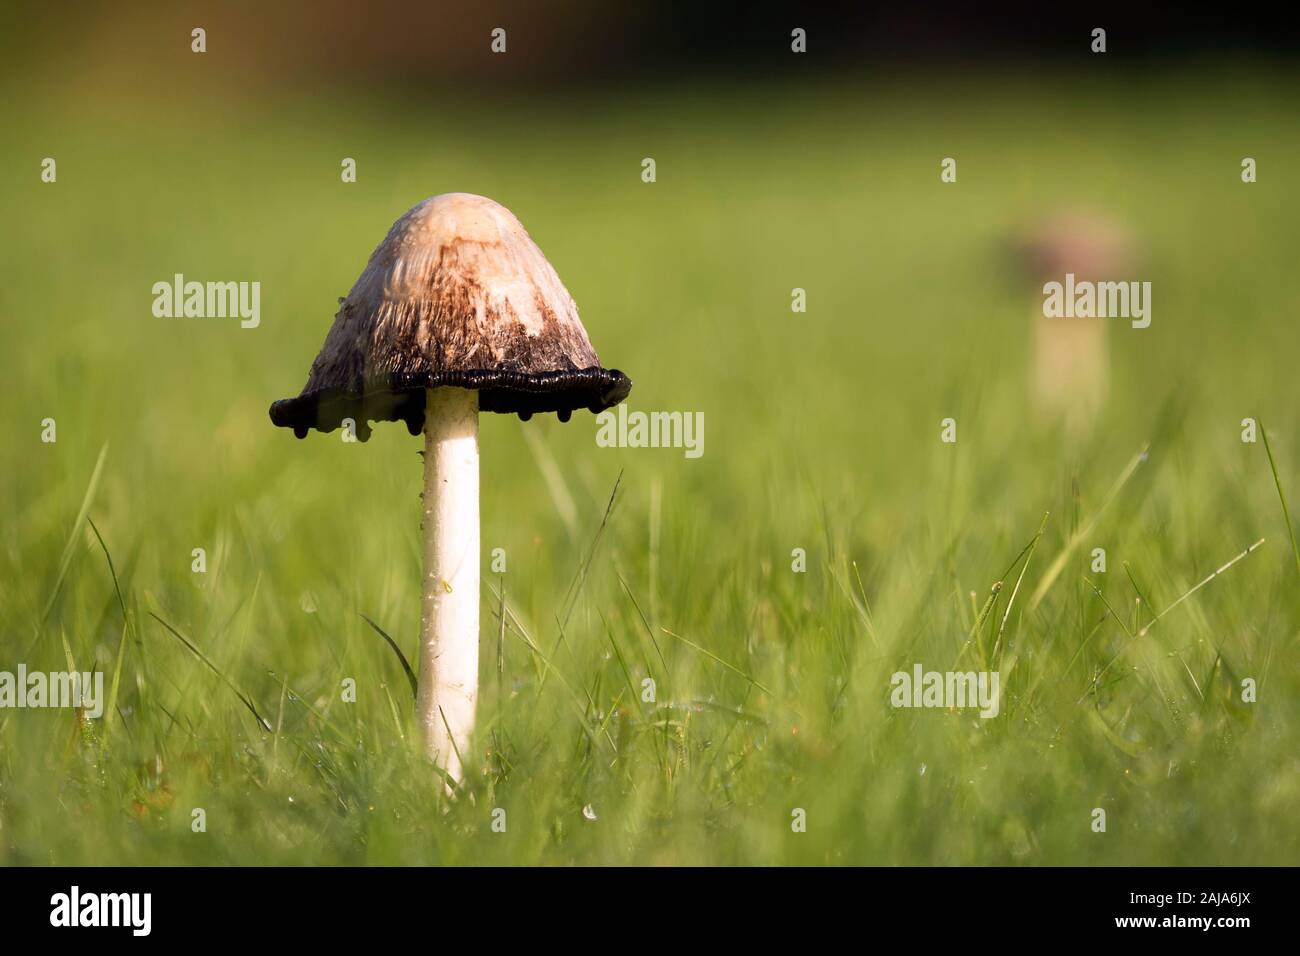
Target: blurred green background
[{"x": 822, "y": 433}]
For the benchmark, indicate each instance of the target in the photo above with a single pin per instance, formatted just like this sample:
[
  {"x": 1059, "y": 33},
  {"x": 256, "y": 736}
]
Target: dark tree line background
[{"x": 409, "y": 42}]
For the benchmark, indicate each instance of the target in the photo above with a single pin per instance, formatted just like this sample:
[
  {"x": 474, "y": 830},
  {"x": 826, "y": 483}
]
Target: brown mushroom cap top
[
  {"x": 1084, "y": 242},
  {"x": 457, "y": 294}
]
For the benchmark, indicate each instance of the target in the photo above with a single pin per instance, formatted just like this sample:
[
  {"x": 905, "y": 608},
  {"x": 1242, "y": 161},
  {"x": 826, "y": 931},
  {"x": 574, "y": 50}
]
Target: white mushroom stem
[{"x": 448, "y": 685}]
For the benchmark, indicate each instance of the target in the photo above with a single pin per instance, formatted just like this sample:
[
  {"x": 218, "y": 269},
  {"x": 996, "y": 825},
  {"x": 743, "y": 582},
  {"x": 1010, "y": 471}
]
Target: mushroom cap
[
  {"x": 457, "y": 294},
  {"x": 1082, "y": 241}
]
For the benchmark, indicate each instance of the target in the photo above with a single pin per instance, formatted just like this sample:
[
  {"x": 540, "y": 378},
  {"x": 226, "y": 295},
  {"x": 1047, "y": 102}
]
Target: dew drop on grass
[{"x": 588, "y": 812}]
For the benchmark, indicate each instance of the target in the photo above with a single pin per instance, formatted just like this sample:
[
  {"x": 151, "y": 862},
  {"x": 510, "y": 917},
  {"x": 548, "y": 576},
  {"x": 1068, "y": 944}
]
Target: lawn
[{"x": 771, "y": 686}]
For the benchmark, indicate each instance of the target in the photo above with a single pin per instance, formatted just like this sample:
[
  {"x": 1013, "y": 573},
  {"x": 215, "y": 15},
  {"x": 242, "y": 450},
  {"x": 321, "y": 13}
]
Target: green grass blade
[
  {"x": 247, "y": 701},
  {"x": 1286, "y": 512},
  {"x": 65, "y": 559},
  {"x": 406, "y": 665}
]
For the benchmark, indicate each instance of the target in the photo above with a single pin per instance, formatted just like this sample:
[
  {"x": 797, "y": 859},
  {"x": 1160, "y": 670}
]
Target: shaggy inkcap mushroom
[
  {"x": 457, "y": 294},
  {"x": 457, "y": 312}
]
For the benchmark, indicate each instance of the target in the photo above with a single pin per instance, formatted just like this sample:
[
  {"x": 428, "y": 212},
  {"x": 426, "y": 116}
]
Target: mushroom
[
  {"x": 1071, "y": 367},
  {"x": 457, "y": 312}
]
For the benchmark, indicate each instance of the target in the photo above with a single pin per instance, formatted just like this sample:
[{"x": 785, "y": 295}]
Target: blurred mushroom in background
[{"x": 1069, "y": 370}]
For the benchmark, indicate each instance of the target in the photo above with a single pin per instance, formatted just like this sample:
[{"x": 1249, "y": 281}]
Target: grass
[{"x": 771, "y": 687}]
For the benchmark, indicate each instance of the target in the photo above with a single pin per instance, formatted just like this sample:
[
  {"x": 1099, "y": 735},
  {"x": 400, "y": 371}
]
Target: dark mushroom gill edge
[{"x": 402, "y": 398}]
